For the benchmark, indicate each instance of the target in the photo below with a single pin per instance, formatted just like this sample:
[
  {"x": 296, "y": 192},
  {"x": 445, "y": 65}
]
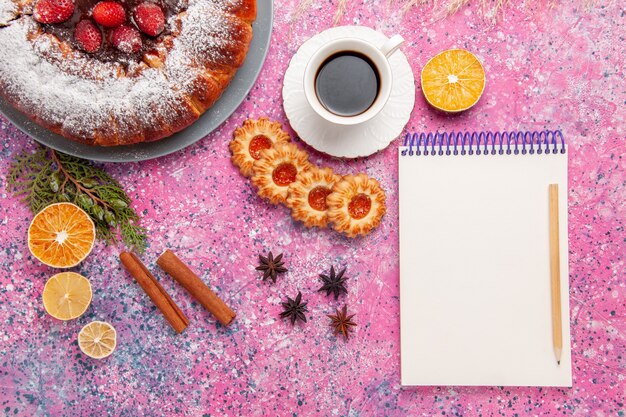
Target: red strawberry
[
  {"x": 88, "y": 36},
  {"x": 126, "y": 38},
  {"x": 149, "y": 18},
  {"x": 109, "y": 14},
  {"x": 53, "y": 11}
]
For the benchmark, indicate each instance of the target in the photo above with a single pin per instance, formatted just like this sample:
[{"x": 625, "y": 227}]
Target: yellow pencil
[{"x": 555, "y": 272}]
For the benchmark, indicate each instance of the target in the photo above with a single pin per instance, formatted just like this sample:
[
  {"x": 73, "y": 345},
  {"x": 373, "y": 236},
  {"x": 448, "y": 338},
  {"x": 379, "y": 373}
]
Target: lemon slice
[
  {"x": 61, "y": 235},
  {"x": 67, "y": 295},
  {"x": 97, "y": 339},
  {"x": 453, "y": 80}
]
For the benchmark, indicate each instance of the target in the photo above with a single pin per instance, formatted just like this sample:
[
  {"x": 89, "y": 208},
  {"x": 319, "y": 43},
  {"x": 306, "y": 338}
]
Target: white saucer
[{"x": 348, "y": 141}]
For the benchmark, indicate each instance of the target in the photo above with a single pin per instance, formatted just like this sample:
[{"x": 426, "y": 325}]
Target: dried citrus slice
[
  {"x": 61, "y": 235},
  {"x": 453, "y": 80},
  {"x": 66, "y": 295},
  {"x": 97, "y": 339}
]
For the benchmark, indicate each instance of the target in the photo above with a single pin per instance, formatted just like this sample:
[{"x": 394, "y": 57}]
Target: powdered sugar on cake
[
  {"x": 8, "y": 11},
  {"x": 85, "y": 98}
]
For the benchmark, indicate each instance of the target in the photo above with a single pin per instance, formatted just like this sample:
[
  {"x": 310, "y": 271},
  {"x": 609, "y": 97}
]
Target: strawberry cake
[{"x": 118, "y": 72}]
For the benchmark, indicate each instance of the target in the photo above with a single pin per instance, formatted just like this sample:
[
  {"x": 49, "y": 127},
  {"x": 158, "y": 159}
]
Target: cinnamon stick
[
  {"x": 171, "y": 264},
  {"x": 155, "y": 291}
]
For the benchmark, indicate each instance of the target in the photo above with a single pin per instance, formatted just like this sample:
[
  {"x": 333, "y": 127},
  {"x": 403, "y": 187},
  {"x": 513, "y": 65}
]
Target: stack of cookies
[{"x": 282, "y": 173}]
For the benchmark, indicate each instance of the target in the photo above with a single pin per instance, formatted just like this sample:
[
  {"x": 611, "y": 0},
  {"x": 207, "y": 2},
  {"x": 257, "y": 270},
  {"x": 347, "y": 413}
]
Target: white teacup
[{"x": 378, "y": 55}]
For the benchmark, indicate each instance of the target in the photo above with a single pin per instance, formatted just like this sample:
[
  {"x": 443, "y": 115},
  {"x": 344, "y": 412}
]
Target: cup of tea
[{"x": 348, "y": 81}]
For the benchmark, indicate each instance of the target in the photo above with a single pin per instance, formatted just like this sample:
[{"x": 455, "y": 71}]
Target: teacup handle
[{"x": 391, "y": 45}]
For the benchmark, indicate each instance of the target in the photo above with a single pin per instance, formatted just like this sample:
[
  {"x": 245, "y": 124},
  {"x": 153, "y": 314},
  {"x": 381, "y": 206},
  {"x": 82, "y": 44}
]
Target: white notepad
[{"x": 475, "y": 305}]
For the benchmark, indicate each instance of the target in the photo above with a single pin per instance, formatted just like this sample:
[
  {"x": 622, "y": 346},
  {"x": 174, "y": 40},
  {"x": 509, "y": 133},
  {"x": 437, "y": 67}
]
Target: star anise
[
  {"x": 294, "y": 309},
  {"x": 334, "y": 283},
  {"x": 271, "y": 266},
  {"x": 341, "y": 322}
]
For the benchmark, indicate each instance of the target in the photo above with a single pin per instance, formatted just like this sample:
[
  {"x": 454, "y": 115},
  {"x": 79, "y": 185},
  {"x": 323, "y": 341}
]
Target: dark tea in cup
[{"x": 347, "y": 83}]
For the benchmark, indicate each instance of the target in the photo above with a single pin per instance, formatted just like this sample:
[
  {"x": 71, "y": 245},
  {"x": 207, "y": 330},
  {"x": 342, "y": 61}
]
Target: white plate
[{"x": 348, "y": 141}]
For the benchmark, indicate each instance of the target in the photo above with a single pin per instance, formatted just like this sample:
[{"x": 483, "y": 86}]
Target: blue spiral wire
[{"x": 484, "y": 143}]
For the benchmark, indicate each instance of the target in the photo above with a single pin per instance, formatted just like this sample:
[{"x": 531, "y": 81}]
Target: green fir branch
[{"x": 48, "y": 176}]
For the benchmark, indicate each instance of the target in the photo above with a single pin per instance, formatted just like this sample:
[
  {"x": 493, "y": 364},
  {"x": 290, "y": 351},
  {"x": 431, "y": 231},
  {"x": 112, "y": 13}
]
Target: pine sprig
[{"x": 48, "y": 176}]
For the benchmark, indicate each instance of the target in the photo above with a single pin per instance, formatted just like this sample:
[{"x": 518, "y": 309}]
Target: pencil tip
[{"x": 558, "y": 362}]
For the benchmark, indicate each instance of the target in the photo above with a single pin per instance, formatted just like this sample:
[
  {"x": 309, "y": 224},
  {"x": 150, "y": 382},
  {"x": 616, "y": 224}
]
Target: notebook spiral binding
[{"x": 486, "y": 143}]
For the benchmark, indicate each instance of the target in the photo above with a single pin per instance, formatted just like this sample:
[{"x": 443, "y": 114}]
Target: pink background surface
[{"x": 547, "y": 67}]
